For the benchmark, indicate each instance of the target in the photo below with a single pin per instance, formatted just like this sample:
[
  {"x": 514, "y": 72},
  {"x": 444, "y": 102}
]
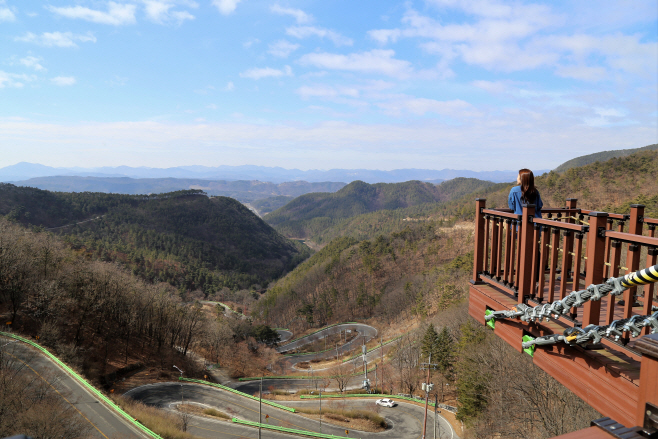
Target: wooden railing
[
  {"x": 523, "y": 259},
  {"x": 544, "y": 259}
]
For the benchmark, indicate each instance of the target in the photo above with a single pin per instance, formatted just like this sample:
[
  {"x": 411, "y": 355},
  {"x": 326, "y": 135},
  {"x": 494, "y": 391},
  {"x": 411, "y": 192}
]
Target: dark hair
[{"x": 528, "y": 189}]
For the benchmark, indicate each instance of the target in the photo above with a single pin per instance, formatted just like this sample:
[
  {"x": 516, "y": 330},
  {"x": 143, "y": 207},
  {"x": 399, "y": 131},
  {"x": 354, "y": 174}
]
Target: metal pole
[
  {"x": 436, "y": 404},
  {"x": 260, "y": 406},
  {"x": 320, "y": 410},
  {"x": 182, "y": 399},
  {"x": 427, "y": 395},
  {"x": 381, "y": 348}
]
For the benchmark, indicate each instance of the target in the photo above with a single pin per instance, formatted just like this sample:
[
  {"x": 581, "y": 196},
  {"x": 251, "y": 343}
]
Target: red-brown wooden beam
[
  {"x": 478, "y": 256},
  {"x": 648, "y": 347},
  {"x": 633, "y": 256},
  {"x": 595, "y": 255},
  {"x": 526, "y": 259}
]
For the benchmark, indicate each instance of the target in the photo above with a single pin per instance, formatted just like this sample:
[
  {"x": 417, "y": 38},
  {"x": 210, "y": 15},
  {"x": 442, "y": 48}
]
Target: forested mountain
[
  {"x": 415, "y": 272},
  {"x": 242, "y": 190},
  {"x": 184, "y": 238},
  {"x": 362, "y": 211},
  {"x": 602, "y": 157},
  {"x": 611, "y": 186}
]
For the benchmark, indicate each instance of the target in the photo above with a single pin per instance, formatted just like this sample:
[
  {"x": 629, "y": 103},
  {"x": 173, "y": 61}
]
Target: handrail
[
  {"x": 617, "y": 216},
  {"x": 503, "y": 214},
  {"x": 561, "y": 225},
  {"x": 559, "y": 210},
  {"x": 237, "y": 392},
  {"x": 629, "y": 237},
  {"x": 86, "y": 384},
  {"x": 287, "y": 430},
  {"x": 650, "y": 220}
]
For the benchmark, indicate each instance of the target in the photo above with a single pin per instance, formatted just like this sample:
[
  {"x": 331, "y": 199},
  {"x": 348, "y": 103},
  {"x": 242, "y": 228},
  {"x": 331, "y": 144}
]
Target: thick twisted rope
[
  {"x": 594, "y": 333},
  {"x": 613, "y": 286}
]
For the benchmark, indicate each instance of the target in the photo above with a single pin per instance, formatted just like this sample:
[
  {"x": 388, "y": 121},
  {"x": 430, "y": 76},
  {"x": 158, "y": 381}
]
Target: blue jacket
[{"x": 515, "y": 203}]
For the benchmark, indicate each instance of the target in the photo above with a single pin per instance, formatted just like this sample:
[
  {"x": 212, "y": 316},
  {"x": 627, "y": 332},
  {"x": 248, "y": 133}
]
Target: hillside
[
  {"x": 610, "y": 186},
  {"x": 184, "y": 238},
  {"x": 322, "y": 217},
  {"x": 242, "y": 190},
  {"x": 415, "y": 272},
  {"x": 601, "y": 157}
]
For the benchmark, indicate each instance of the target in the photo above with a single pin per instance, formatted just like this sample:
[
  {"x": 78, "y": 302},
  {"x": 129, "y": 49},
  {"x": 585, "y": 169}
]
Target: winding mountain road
[
  {"x": 405, "y": 420},
  {"x": 104, "y": 422}
]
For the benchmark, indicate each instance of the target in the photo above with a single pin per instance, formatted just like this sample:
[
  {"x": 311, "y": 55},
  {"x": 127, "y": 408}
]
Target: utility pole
[
  {"x": 181, "y": 386},
  {"x": 436, "y": 404},
  {"x": 320, "y": 411},
  {"x": 427, "y": 387},
  {"x": 381, "y": 349}
]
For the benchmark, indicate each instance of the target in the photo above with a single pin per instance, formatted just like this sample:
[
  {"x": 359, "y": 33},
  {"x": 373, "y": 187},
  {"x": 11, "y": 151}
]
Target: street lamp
[{"x": 181, "y": 385}]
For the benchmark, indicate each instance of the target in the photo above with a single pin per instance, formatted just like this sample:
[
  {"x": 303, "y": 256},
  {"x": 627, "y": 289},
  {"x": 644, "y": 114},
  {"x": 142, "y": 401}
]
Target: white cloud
[
  {"x": 6, "y": 14},
  {"x": 491, "y": 86},
  {"x": 420, "y": 106},
  {"x": 326, "y": 91},
  {"x": 375, "y": 61},
  {"x": 248, "y": 44},
  {"x": 159, "y": 11},
  {"x": 310, "y": 31},
  {"x": 229, "y": 86},
  {"x": 584, "y": 73},
  {"x": 57, "y": 39},
  {"x": 211, "y": 106},
  {"x": 226, "y": 7},
  {"x": 117, "y": 14},
  {"x": 32, "y": 62},
  {"x": 14, "y": 80},
  {"x": 282, "y": 48},
  {"x": 300, "y": 16},
  {"x": 266, "y": 72},
  {"x": 63, "y": 81}
]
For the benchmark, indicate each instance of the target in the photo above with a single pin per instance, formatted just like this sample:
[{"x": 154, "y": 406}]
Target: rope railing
[
  {"x": 613, "y": 286},
  {"x": 594, "y": 333}
]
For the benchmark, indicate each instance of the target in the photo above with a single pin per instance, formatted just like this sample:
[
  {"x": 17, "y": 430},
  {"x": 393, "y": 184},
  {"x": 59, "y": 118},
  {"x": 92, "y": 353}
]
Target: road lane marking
[{"x": 58, "y": 392}]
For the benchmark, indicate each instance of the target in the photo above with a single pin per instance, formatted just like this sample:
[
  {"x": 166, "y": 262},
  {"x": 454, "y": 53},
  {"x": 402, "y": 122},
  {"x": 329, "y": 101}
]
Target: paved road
[
  {"x": 104, "y": 422},
  {"x": 405, "y": 420},
  {"x": 284, "y": 335},
  {"x": 366, "y": 331}
]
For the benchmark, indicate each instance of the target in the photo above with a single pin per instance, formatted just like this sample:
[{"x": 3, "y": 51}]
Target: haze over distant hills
[
  {"x": 244, "y": 191},
  {"x": 25, "y": 171}
]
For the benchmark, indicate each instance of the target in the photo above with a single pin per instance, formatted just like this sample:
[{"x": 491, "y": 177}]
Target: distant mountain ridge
[
  {"x": 24, "y": 171},
  {"x": 241, "y": 190},
  {"x": 325, "y": 214},
  {"x": 602, "y": 157}
]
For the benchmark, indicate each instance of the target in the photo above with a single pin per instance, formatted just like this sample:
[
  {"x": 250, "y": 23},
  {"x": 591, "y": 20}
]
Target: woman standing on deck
[{"x": 525, "y": 193}]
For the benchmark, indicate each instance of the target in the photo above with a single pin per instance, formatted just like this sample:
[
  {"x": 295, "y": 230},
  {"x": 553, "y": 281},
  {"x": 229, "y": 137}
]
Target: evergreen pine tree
[
  {"x": 444, "y": 355},
  {"x": 430, "y": 343}
]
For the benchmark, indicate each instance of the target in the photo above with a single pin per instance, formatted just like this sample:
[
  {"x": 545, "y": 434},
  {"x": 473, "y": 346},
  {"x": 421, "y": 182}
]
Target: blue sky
[{"x": 308, "y": 84}]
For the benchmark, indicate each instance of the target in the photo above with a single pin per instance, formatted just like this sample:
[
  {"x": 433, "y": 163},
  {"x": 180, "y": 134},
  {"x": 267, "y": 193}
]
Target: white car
[{"x": 385, "y": 402}]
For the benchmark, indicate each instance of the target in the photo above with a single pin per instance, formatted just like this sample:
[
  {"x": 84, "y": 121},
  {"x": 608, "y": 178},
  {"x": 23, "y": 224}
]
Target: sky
[{"x": 309, "y": 84}]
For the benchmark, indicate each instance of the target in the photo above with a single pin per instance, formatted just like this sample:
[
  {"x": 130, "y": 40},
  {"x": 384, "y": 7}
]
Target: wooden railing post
[
  {"x": 648, "y": 347},
  {"x": 595, "y": 264},
  {"x": 478, "y": 255},
  {"x": 526, "y": 238},
  {"x": 633, "y": 256},
  {"x": 567, "y": 258}
]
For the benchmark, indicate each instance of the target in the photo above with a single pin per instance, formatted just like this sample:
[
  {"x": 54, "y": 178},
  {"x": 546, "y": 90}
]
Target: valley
[{"x": 124, "y": 287}]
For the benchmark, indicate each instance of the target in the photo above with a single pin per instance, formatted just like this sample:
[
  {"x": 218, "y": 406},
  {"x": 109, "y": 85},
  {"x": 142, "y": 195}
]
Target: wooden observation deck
[{"x": 522, "y": 259}]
